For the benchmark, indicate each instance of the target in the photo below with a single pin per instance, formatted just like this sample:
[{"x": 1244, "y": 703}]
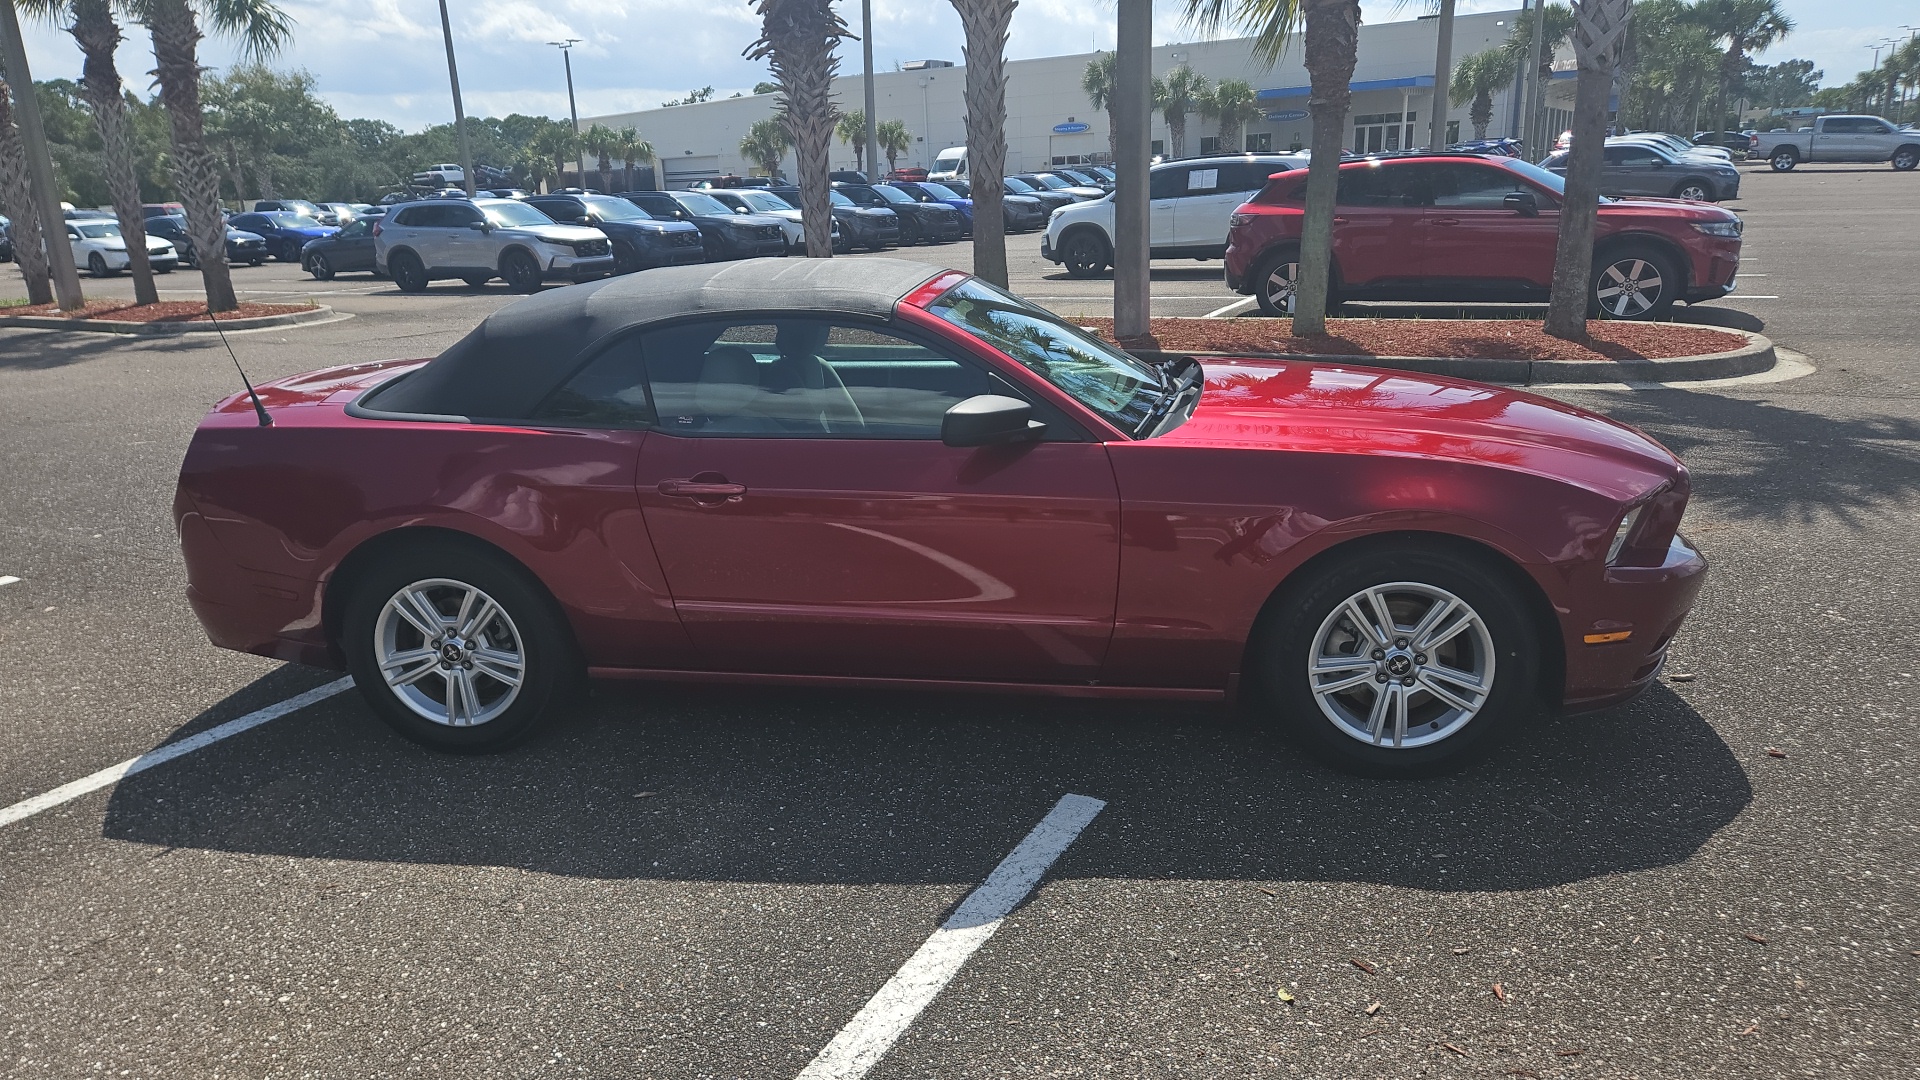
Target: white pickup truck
[{"x": 1840, "y": 138}]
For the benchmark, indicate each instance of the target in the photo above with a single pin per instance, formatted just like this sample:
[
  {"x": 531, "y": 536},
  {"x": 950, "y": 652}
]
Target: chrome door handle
[
  {"x": 1445, "y": 220},
  {"x": 1339, "y": 221},
  {"x": 702, "y": 490}
]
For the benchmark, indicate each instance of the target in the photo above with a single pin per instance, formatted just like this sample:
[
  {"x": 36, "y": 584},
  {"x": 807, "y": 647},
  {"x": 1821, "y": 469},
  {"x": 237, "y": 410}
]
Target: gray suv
[{"x": 481, "y": 239}]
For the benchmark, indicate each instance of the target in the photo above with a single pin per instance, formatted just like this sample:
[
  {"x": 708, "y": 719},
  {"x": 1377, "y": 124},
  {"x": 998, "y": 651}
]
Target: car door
[
  {"x": 1633, "y": 170},
  {"x": 465, "y": 247},
  {"x": 353, "y": 246},
  {"x": 1377, "y": 221},
  {"x": 1165, "y": 187},
  {"x": 1835, "y": 139},
  {"x": 1470, "y": 233},
  {"x": 810, "y": 521},
  {"x": 78, "y": 244},
  {"x": 1205, "y": 214}
]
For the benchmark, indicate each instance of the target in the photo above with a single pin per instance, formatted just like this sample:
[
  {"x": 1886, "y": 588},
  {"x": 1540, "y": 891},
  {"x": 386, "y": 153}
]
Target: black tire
[
  {"x": 1284, "y": 645},
  {"x": 1633, "y": 282},
  {"x": 551, "y": 668},
  {"x": 408, "y": 271},
  {"x": 320, "y": 267},
  {"x": 1085, "y": 253},
  {"x": 626, "y": 259},
  {"x": 261, "y": 262},
  {"x": 97, "y": 265},
  {"x": 289, "y": 251},
  {"x": 1784, "y": 159},
  {"x": 1280, "y": 264},
  {"x": 1905, "y": 158},
  {"x": 163, "y": 268},
  {"x": 1695, "y": 189},
  {"x": 476, "y": 281},
  {"x": 909, "y": 232},
  {"x": 522, "y": 274}
]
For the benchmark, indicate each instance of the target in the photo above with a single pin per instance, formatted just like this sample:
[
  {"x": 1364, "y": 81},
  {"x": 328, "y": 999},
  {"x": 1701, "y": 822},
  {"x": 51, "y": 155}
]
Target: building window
[
  {"x": 1209, "y": 145},
  {"x": 1453, "y": 131},
  {"x": 1259, "y": 142},
  {"x": 1159, "y": 148}
]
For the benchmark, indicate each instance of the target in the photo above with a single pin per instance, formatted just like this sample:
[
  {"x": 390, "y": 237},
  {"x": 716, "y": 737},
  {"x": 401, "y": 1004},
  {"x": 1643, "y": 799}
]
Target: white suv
[
  {"x": 1190, "y": 201},
  {"x": 479, "y": 240}
]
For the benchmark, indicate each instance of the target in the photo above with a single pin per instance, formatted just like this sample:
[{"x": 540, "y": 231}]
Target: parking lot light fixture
[
  {"x": 573, "y": 110},
  {"x": 459, "y": 111}
]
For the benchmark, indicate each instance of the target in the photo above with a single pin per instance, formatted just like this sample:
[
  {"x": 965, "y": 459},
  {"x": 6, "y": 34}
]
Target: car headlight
[
  {"x": 1718, "y": 228},
  {"x": 1620, "y": 534},
  {"x": 1236, "y": 220}
]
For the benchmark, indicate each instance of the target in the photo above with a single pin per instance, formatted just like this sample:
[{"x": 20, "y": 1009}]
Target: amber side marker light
[{"x": 1608, "y": 639}]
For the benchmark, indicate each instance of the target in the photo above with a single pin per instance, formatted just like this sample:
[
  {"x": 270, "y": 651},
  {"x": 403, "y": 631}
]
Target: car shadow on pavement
[
  {"x": 1731, "y": 318},
  {"x": 38, "y": 350},
  {"x": 697, "y": 783}
]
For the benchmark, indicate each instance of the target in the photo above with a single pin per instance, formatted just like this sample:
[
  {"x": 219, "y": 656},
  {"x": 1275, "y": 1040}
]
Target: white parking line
[
  {"x": 1220, "y": 313},
  {"x": 870, "y": 1034},
  {"x": 113, "y": 774},
  {"x": 7, "y": 579}
]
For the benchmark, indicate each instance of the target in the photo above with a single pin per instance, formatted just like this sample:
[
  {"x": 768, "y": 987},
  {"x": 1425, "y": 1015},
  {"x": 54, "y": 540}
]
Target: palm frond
[
  {"x": 1271, "y": 23},
  {"x": 263, "y": 29}
]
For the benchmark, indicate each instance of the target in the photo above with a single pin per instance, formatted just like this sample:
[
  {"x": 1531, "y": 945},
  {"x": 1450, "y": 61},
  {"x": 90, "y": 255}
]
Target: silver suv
[{"x": 481, "y": 239}]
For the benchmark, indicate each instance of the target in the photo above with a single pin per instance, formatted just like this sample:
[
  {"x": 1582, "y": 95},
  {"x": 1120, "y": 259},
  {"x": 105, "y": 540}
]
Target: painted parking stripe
[
  {"x": 1238, "y": 305},
  {"x": 873, "y": 1031},
  {"x": 7, "y": 579},
  {"x": 113, "y": 774}
]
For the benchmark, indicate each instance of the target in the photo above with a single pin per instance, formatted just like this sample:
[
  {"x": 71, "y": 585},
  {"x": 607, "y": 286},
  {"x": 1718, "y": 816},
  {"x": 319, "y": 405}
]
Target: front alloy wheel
[
  {"x": 1402, "y": 664},
  {"x": 1784, "y": 160},
  {"x": 1085, "y": 254},
  {"x": 1693, "y": 189},
  {"x": 1906, "y": 158},
  {"x": 521, "y": 272},
  {"x": 1634, "y": 285},
  {"x": 320, "y": 267}
]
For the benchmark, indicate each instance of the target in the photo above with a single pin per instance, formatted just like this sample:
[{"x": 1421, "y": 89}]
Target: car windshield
[
  {"x": 511, "y": 214},
  {"x": 97, "y": 229},
  {"x": 1049, "y": 181},
  {"x": 612, "y": 209},
  {"x": 938, "y": 191},
  {"x": 763, "y": 200},
  {"x": 841, "y": 200},
  {"x": 1099, "y": 376},
  {"x": 1076, "y": 177},
  {"x": 893, "y": 194},
  {"x": 286, "y": 220},
  {"x": 699, "y": 203},
  {"x": 1018, "y": 184},
  {"x": 1553, "y": 182}
]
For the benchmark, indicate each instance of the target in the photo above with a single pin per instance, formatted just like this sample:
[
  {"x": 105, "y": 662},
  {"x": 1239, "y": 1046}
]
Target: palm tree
[
  {"x": 1599, "y": 39},
  {"x": 1442, "y": 75},
  {"x": 1556, "y": 23},
  {"x": 1745, "y": 25},
  {"x": 765, "y": 143},
  {"x": 16, "y": 201},
  {"x": 852, "y": 130},
  {"x": 93, "y": 27},
  {"x": 894, "y": 140},
  {"x": 986, "y": 23},
  {"x": 1098, "y": 83},
  {"x": 631, "y": 149},
  {"x": 175, "y": 25},
  {"x": 1180, "y": 93},
  {"x": 1234, "y": 103},
  {"x": 560, "y": 143},
  {"x": 797, "y": 39},
  {"x": 598, "y": 141},
  {"x": 1332, "y": 29},
  {"x": 1475, "y": 79},
  {"x": 538, "y": 168}
]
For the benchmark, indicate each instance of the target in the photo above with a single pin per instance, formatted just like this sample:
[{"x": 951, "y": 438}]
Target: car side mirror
[
  {"x": 584, "y": 219},
  {"x": 990, "y": 420},
  {"x": 480, "y": 226},
  {"x": 1522, "y": 203}
]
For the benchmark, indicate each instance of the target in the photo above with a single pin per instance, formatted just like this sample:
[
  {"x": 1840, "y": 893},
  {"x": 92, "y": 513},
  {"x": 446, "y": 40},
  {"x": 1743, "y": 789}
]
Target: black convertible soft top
[{"x": 519, "y": 354}]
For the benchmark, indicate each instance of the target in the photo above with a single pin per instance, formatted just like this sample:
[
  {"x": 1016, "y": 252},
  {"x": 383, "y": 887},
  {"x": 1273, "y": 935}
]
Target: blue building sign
[
  {"x": 1285, "y": 115},
  {"x": 1069, "y": 129}
]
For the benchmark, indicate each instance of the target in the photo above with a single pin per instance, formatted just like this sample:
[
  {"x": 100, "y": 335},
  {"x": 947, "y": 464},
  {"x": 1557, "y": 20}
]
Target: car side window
[
  {"x": 609, "y": 392},
  {"x": 459, "y": 217},
  {"x": 1631, "y": 156},
  {"x": 1167, "y": 183},
  {"x": 804, "y": 378},
  {"x": 1462, "y": 186},
  {"x": 1401, "y": 185}
]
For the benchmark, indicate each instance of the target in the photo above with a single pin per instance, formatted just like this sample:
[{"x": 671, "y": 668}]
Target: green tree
[
  {"x": 16, "y": 201},
  {"x": 598, "y": 141},
  {"x": 765, "y": 88},
  {"x": 1599, "y": 39},
  {"x": 1234, "y": 103},
  {"x": 1181, "y": 92},
  {"x": 1476, "y": 79},
  {"x": 631, "y": 150},
  {"x": 797, "y": 39},
  {"x": 1097, "y": 82},
  {"x": 894, "y": 140},
  {"x": 765, "y": 144},
  {"x": 852, "y": 129},
  {"x": 559, "y": 143},
  {"x": 1741, "y": 26}
]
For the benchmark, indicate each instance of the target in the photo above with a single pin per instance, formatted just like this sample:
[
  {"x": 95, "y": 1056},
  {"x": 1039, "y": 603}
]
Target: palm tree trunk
[
  {"x": 263, "y": 176},
  {"x": 1573, "y": 255},
  {"x": 1177, "y": 133},
  {"x": 1442, "y": 78},
  {"x": 1481, "y": 113},
  {"x": 986, "y": 23},
  {"x": 606, "y": 170},
  {"x": 16, "y": 201},
  {"x": 1333, "y": 38},
  {"x": 98, "y": 35},
  {"x": 196, "y": 173}
]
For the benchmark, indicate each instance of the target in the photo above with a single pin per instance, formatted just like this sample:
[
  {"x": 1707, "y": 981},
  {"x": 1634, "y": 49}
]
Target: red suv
[{"x": 1470, "y": 227}]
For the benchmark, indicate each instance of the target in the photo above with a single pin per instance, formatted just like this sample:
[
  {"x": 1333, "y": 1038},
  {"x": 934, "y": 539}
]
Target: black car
[
  {"x": 640, "y": 241},
  {"x": 348, "y": 250},
  {"x": 873, "y": 228},
  {"x": 726, "y": 235},
  {"x": 918, "y": 220},
  {"x": 6, "y": 242},
  {"x": 1050, "y": 200},
  {"x": 1085, "y": 178},
  {"x": 242, "y": 246},
  {"x": 1022, "y": 213},
  {"x": 935, "y": 229}
]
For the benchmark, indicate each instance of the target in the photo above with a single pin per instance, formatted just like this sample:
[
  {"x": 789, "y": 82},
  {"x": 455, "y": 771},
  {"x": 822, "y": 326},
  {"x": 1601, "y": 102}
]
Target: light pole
[
  {"x": 573, "y": 110},
  {"x": 1132, "y": 114},
  {"x": 53, "y": 223},
  {"x": 873, "y": 122},
  {"x": 926, "y": 123},
  {"x": 459, "y": 111}
]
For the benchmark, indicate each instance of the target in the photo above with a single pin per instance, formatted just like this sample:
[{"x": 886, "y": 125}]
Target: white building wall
[{"x": 694, "y": 141}]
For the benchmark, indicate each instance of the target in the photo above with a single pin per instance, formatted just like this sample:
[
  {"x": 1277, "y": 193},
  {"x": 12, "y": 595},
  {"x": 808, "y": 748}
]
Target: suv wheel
[
  {"x": 289, "y": 251},
  {"x": 408, "y": 272},
  {"x": 96, "y": 265},
  {"x": 1905, "y": 158},
  {"x": 1697, "y": 190},
  {"x": 626, "y": 259},
  {"x": 521, "y": 272},
  {"x": 1276, "y": 281},
  {"x": 909, "y": 232},
  {"x": 1633, "y": 283},
  {"x": 1784, "y": 159},
  {"x": 1085, "y": 254}
]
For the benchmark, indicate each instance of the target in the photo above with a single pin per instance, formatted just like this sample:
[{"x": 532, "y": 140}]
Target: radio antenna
[{"x": 258, "y": 409}]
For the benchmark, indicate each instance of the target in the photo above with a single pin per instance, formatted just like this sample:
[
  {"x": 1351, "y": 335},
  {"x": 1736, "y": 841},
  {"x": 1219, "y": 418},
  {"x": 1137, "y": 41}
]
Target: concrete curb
[
  {"x": 1756, "y": 356},
  {"x": 110, "y": 326}
]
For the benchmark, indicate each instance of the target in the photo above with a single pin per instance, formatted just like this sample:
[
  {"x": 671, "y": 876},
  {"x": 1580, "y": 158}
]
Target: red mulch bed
[
  {"x": 169, "y": 311},
  {"x": 1479, "y": 339}
]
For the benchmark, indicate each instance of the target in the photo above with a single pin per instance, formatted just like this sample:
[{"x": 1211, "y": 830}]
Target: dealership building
[{"x": 1051, "y": 122}]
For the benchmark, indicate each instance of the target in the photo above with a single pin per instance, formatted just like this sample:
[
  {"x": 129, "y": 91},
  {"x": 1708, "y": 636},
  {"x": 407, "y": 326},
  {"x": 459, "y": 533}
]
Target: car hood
[
  {"x": 242, "y": 236},
  {"x": 1280, "y": 405},
  {"x": 564, "y": 234},
  {"x": 741, "y": 219},
  {"x": 1685, "y": 209}
]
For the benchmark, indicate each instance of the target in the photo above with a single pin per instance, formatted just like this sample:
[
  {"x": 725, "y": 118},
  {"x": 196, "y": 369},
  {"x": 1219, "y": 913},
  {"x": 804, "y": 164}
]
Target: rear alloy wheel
[
  {"x": 1633, "y": 283},
  {"x": 521, "y": 272},
  {"x": 1276, "y": 282},
  {"x": 1401, "y": 663},
  {"x": 1783, "y": 160},
  {"x": 289, "y": 251},
  {"x": 457, "y": 650},
  {"x": 320, "y": 267},
  {"x": 1906, "y": 158},
  {"x": 909, "y": 232},
  {"x": 408, "y": 272},
  {"x": 1697, "y": 190},
  {"x": 97, "y": 265},
  {"x": 1085, "y": 254}
]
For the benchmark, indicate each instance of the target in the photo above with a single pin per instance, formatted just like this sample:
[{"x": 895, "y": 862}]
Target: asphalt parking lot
[{"x": 1721, "y": 879}]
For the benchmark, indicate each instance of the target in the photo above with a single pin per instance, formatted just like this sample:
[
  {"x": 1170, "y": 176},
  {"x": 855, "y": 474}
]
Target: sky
[{"x": 384, "y": 59}]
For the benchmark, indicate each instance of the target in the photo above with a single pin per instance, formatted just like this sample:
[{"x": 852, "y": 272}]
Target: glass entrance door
[{"x": 1375, "y": 133}]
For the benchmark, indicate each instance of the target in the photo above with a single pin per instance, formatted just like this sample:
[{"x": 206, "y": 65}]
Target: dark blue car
[
  {"x": 350, "y": 248},
  {"x": 640, "y": 241},
  {"x": 286, "y": 234},
  {"x": 923, "y": 191}
]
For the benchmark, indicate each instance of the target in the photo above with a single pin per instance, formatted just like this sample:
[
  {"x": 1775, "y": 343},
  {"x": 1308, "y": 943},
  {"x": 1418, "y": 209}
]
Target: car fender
[
  {"x": 500, "y": 261},
  {"x": 1667, "y": 246}
]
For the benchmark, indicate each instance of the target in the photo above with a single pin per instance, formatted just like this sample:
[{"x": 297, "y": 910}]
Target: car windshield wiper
[{"x": 1179, "y": 377}]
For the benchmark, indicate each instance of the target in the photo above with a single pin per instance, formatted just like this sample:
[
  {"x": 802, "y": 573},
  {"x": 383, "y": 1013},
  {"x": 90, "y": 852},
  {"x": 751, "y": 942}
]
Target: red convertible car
[{"x": 873, "y": 473}]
